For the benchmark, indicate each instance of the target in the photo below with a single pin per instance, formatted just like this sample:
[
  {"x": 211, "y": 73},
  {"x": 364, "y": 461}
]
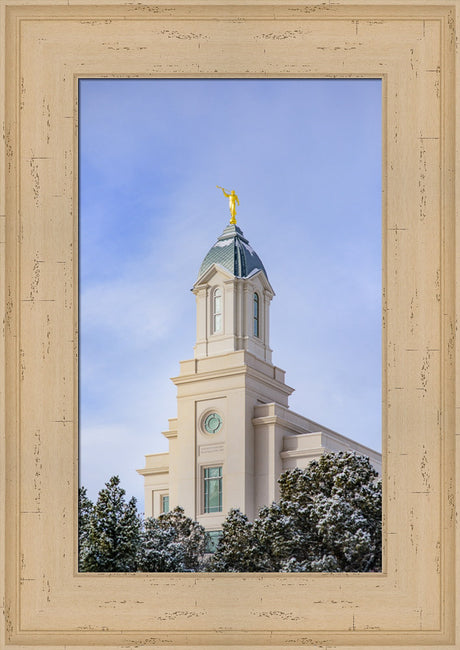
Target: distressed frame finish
[{"x": 47, "y": 47}]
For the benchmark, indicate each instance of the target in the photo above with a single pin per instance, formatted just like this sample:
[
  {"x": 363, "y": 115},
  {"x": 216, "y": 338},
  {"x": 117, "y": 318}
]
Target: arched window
[
  {"x": 256, "y": 315},
  {"x": 217, "y": 311}
]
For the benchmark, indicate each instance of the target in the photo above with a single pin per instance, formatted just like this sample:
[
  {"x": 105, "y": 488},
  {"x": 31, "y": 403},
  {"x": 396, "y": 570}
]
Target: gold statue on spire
[{"x": 232, "y": 201}]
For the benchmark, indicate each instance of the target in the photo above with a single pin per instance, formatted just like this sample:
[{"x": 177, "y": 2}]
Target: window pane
[
  {"x": 212, "y": 540},
  {"x": 213, "y": 489},
  {"x": 214, "y": 495},
  {"x": 165, "y": 503},
  {"x": 217, "y": 311},
  {"x": 211, "y": 472}
]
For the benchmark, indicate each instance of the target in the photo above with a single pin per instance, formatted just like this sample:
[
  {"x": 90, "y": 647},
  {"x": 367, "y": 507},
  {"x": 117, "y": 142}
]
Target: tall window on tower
[
  {"x": 217, "y": 311},
  {"x": 212, "y": 489},
  {"x": 256, "y": 314}
]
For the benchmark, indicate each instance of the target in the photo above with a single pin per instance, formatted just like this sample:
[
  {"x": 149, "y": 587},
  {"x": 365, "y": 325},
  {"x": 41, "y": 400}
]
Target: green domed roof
[{"x": 233, "y": 252}]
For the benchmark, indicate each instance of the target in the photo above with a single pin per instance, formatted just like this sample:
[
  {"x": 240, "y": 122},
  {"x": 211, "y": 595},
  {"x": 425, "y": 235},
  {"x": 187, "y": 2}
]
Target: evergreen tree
[
  {"x": 328, "y": 519},
  {"x": 114, "y": 530},
  {"x": 85, "y": 513},
  {"x": 173, "y": 542},
  {"x": 277, "y": 537},
  {"x": 334, "y": 508},
  {"x": 237, "y": 549},
  {"x": 159, "y": 551}
]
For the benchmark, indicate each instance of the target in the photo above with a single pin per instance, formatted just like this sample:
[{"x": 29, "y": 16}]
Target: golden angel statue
[{"x": 232, "y": 201}]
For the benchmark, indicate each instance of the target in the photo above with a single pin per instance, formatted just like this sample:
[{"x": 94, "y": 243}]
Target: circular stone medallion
[{"x": 213, "y": 423}]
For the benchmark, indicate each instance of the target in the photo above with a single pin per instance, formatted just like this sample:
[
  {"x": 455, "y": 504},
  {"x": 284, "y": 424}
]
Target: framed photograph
[
  {"x": 47, "y": 49},
  {"x": 305, "y": 156}
]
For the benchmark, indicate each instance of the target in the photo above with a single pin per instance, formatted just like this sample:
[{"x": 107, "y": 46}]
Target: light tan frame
[{"x": 47, "y": 47}]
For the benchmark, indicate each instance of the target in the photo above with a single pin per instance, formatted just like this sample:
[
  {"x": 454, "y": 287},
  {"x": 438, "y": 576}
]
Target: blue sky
[{"x": 304, "y": 156}]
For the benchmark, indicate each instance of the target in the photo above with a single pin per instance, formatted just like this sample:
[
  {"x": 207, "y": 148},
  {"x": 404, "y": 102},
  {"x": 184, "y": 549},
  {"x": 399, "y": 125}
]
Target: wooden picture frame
[{"x": 47, "y": 46}]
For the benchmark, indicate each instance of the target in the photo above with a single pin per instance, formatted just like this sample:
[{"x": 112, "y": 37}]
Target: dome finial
[{"x": 232, "y": 200}]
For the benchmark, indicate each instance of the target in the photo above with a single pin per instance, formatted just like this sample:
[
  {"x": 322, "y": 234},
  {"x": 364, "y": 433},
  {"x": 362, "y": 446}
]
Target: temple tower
[{"x": 234, "y": 433}]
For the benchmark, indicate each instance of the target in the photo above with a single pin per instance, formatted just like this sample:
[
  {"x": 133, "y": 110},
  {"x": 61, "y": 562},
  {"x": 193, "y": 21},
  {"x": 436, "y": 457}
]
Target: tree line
[{"x": 328, "y": 518}]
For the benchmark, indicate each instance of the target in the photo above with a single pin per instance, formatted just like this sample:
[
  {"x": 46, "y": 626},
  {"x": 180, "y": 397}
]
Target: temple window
[
  {"x": 217, "y": 311},
  {"x": 256, "y": 315}
]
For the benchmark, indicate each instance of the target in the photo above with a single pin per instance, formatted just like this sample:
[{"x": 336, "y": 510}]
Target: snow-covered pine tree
[
  {"x": 189, "y": 533},
  {"x": 114, "y": 531},
  {"x": 276, "y": 537},
  {"x": 329, "y": 518},
  {"x": 159, "y": 550},
  {"x": 334, "y": 510},
  {"x": 237, "y": 549},
  {"x": 85, "y": 513},
  {"x": 173, "y": 542}
]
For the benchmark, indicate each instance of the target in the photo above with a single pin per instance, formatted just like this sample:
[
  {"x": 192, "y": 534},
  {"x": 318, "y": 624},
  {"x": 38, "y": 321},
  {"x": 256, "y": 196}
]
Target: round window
[{"x": 213, "y": 423}]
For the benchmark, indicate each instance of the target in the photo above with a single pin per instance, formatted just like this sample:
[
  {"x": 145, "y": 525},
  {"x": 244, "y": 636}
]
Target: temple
[{"x": 234, "y": 433}]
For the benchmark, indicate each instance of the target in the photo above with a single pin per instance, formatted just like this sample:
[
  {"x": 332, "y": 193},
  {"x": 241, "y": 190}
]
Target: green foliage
[
  {"x": 236, "y": 548},
  {"x": 112, "y": 537},
  {"x": 85, "y": 513},
  {"x": 335, "y": 508},
  {"x": 173, "y": 542},
  {"x": 110, "y": 531},
  {"x": 328, "y": 519}
]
